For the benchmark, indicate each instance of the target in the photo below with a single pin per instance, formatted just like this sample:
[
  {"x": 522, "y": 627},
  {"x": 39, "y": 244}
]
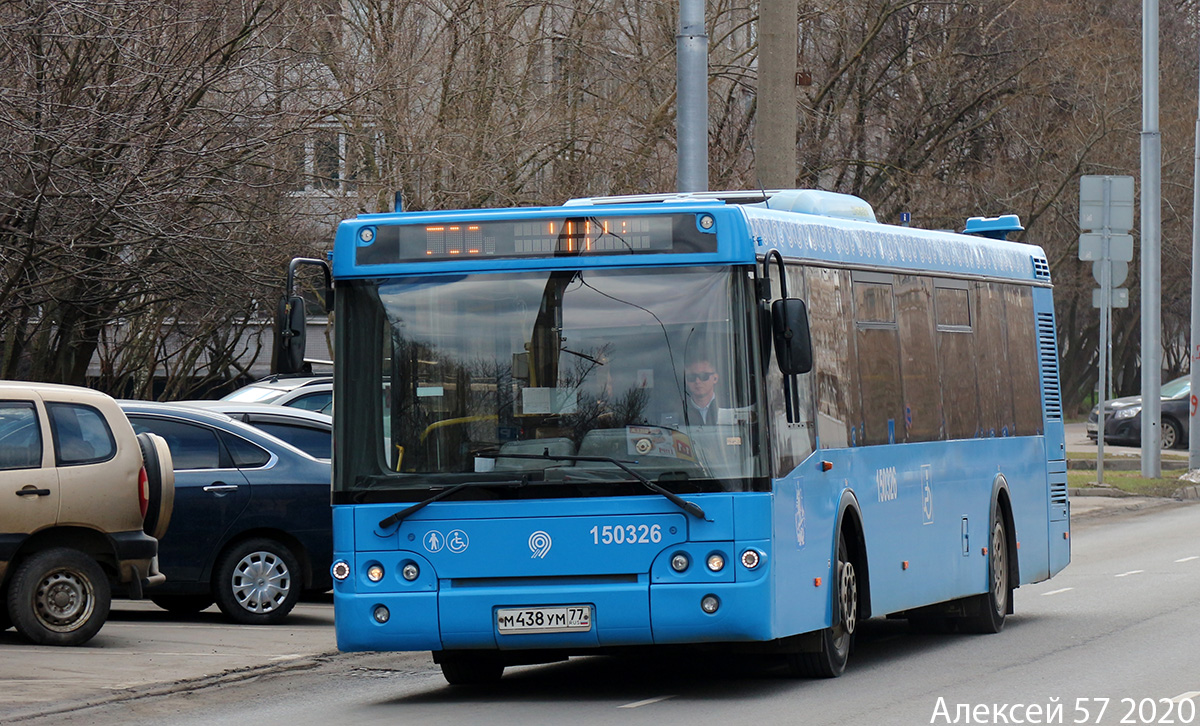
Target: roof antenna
[{"x": 766, "y": 203}]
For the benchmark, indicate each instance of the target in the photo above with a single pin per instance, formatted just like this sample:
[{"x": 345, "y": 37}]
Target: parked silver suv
[{"x": 88, "y": 500}]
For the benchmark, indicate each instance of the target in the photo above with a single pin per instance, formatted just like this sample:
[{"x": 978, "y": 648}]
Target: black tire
[
  {"x": 59, "y": 596},
  {"x": 257, "y": 582},
  {"x": 993, "y": 605},
  {"x": 1172, "y": 434},
  {"x": 160, "y": 476},
  {"x": 470, "y": 668},
  {"x": 182, "y": 604},
  {"x": 835, "y": 641}
]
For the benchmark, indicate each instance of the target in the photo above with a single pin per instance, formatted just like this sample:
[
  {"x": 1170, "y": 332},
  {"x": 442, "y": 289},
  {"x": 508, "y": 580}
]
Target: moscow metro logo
[{"x": 539, "y": 543}]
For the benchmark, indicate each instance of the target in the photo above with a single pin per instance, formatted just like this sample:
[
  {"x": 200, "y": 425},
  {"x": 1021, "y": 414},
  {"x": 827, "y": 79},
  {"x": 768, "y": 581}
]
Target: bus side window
[
  {"x": 956, "y": 358},
  {"x": 834, "y": 367},
  {"x": 878, "y": 340},
  {"x": 918, "y": 359}
]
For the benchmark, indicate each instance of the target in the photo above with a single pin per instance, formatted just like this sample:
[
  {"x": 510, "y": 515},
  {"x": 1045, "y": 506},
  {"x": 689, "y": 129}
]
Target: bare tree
[{"x": 139, "y": 174}]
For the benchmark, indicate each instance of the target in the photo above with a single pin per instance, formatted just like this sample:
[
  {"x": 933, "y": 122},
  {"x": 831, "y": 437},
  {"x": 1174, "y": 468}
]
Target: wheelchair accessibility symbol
[{"x": 455, "y": 540}]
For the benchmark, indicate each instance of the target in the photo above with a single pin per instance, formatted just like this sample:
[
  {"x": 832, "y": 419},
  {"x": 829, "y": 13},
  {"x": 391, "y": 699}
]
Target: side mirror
[
  {"x": 290, "y": 335},
  {"x": 793, "y": 339}
]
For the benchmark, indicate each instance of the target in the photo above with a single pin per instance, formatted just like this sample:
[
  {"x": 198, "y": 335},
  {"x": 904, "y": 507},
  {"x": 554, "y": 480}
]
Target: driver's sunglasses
[{"x": 693, "y": 377}]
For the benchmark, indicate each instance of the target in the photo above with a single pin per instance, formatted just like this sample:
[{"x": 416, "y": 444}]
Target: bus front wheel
[{"x": 829, "y": 660}]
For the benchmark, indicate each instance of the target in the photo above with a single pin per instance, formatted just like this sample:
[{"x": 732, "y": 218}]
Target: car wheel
[
  {"x": 59, "y": 596},
  {"x": 470, "y": 668},
  {"x": 993, "y": 606},
  {"x": 1172, "y": 434},
  {"x": 160, "y": 476},
  {"x": 257, "y": 582},
  {"x": 182, "y": 604},
  {"x": 835, "y": 641}
]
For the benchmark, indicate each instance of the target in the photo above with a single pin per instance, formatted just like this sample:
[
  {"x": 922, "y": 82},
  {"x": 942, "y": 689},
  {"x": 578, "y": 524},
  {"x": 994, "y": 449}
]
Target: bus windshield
[{"x": 547, "y": 376}]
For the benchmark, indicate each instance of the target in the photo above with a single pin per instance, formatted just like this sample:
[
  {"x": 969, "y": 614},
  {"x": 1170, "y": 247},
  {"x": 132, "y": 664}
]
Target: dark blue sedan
[{"x": 252, "y": 526}]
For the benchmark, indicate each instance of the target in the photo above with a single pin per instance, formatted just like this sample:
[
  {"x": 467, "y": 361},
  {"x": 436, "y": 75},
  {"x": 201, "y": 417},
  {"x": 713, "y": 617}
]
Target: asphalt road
[{"x": 1119, "y": 623}]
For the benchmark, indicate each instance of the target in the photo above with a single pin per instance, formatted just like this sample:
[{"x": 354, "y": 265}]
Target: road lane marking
[
  {"x": 1185, "y": 696},
  {"x": 1131, "y": 572},
  {"x": 1189, "y": 559},
  {"x": 647, "y": 702},
  {"x": 1058, "y": 591}
]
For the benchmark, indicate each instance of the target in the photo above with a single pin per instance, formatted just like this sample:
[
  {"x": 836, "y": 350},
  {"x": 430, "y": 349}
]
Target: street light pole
[
  {"x": 691, "y": 98},
  {"x": 1151, "y": 262}
]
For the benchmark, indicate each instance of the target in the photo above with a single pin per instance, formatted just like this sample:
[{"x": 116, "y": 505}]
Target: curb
[{"x": 300, "y": 663}]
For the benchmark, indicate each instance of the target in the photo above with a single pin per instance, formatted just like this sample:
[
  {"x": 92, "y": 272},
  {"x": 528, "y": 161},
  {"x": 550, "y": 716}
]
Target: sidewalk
[{"x": 1103, "y": 501}]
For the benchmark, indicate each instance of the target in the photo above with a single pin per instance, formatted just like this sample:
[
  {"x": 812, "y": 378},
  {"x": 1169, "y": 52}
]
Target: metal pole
[
  {"x": 1194, "y": 440},
  {"x": 775, "y": 106},
  {"x": 691, "y": 93},
  {"x": 1105, "y": 327},
  {"x": 1151, "y": 262}
]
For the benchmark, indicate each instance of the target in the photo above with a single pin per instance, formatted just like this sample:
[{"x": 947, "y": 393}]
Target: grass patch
[{"x": 1127, "y": 481}]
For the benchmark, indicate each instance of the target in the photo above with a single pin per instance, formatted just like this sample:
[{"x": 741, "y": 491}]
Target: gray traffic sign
[
  {"x": 1120, "y": 202},
  {"x": 1091, "y": 246},
  {"x": 1119, "y": 297},
  {"x": 1120, "y": 270}
]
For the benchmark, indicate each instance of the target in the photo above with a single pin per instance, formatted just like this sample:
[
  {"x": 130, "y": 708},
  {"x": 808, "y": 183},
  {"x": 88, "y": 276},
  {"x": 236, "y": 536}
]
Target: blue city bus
[{"x": 743, "y": 420}]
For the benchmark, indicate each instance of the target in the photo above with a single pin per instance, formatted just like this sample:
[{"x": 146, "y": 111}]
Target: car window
[
  {"x": 246, "y": 455},
  {"x": 81, "y": 435},
  {"x": 20, "y": 436},
  {"x": 312, "y": 401},
  {"x": 192, "y": 446},
  {"x": 314, "y": 442}
]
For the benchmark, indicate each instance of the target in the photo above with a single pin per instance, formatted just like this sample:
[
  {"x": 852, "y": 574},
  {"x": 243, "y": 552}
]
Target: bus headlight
[
  {"x": 680, "y": 562},
  {"x": 340, "y": 570},
  {"x": 410, "y": 572},
  {"x": 710, "y": 603},
  {"x": 750, "y": 559},
  {"x": 381, "y": 614},
  {"x": 715, "y": 562},
  {"x": 375, "y": 573}
]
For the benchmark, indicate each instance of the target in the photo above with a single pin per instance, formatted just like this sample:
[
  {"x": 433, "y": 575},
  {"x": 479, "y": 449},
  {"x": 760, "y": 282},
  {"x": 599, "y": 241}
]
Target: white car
[{"x": 313, "y": 393}]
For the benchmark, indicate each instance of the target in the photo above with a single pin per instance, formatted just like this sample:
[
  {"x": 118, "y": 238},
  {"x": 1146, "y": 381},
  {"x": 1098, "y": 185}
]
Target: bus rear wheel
[
  {"x": 829, "y": 660},
  {"x": 993, "y": 605}
]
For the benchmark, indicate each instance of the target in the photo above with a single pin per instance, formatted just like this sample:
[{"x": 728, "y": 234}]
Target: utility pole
[
  {"x": 691, "y": 96},
  {"x": 1151, "y": 255},
  {"x": 775, "y": 112},
  {"x": 1193, "y": 396}
]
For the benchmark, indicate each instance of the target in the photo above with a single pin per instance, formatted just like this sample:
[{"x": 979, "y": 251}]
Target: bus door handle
[{"x": 220, "y": 488}]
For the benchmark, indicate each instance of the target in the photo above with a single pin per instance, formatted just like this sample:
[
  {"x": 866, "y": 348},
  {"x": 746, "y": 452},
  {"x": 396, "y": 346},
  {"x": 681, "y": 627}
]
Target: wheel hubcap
[
  {"x": 261, "y": 582},
  {"x": 63, "y": 601},
  {"x": 847, "y": 602},
  {"x": 999, "y": 569}
]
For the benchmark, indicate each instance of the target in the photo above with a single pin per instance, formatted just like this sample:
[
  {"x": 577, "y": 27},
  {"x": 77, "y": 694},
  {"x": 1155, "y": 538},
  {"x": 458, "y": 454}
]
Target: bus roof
[{"x": 809, "y": 225}]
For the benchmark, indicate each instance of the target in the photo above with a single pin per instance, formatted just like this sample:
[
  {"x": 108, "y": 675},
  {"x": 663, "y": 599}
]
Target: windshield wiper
[
  {"x": 690, "y": 507},
  {"x": 389, "y": 521}
]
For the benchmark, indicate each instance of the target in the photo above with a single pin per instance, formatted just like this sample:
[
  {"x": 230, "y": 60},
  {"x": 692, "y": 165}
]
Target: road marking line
[
  {"x": 1189, "y": 559},
  {"x": 1058, "y": 591},
  {"x": 647, "y": 702},
  {"x": 1131, "y": 572},
  {"x": 1185, "y": 696}
]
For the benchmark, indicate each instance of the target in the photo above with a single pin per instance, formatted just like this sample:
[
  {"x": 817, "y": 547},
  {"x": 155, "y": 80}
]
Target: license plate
[
  {"x": 1091, "y": 428},
  {"x": 557, "y": 619}
]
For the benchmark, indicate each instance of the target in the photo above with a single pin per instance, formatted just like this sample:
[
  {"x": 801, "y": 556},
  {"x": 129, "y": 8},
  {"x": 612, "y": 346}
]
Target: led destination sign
[{"x": 558, "y": 237}]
